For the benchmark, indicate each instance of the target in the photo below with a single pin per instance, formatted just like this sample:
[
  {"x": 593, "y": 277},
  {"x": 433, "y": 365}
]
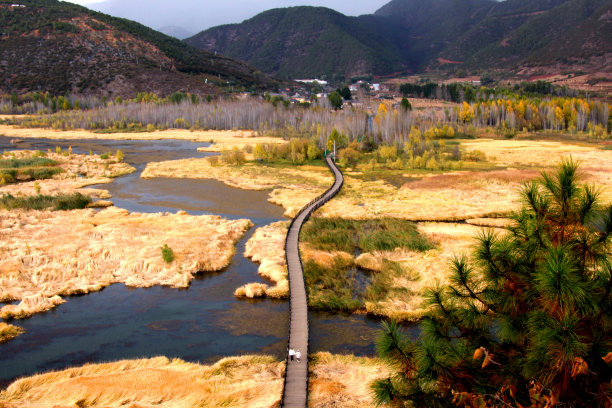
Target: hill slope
[
  {"x": 433, "y": 24},
  {"x": 47, "y": 45},
  {"x": 536, "y": 32},
  {"x": 419, "y": 35},
  {"x": 303, "y": 42}
]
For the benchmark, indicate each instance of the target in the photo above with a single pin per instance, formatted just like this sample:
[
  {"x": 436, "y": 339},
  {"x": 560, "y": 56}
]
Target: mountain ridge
[
  {"x": 421, "y": 35},
  {"x": 303, "y": 41}
]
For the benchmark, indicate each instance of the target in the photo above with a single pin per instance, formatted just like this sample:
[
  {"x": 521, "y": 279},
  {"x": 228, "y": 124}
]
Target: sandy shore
[
  {"x": 97, "y": 249},
  {"x": 247, "y": 381},
  {"x": 267, "y": 247}
]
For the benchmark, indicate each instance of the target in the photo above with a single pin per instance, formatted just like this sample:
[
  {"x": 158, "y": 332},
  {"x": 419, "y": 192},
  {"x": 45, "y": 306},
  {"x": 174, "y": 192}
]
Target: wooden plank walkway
[{"x": 295, "y": 392}]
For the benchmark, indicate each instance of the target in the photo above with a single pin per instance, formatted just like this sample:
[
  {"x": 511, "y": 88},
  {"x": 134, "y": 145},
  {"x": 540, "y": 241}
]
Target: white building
[{"x": 312, "y": 81}]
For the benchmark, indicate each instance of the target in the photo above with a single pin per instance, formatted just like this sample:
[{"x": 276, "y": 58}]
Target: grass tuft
[
  {"x": 9, "y": 332},
  {"x": 62, "y": 202},
  {"x": 167, "y": 253},
  {"x": 330, "y": 288}
]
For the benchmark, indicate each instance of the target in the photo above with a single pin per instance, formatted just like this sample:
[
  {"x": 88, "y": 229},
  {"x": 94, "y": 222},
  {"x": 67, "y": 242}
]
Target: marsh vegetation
[{"x": 330, "y": 245}]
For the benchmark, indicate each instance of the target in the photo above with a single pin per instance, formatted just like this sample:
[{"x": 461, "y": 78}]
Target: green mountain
[
  {"x": 419, "y": 35},
  {"x": 432, "y": 25},
  {"x": 48, "y": 45},
  {"x": 519, "y": 32},
  {"x": 304, "y": 42}
]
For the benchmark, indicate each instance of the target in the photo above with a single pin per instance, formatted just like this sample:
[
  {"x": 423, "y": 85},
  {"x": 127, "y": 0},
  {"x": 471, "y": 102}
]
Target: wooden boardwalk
[{"x": 295, "y": 392}]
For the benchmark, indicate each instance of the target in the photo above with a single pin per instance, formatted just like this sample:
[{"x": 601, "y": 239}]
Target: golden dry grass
[
  {"x": 221, "y": 139},
  {"x": 422, "y": 270},
  {"x": 267, "y": 247},
  {"x": 343, "y": 381},
  {"x": 9, "y": 332},
  {"x": 79, "y": 171},
  {"x": 594, "y": 162},
  {"x": 248, "y": 381},
  {"x": 454, "y": 196},
  {"x": 97, "y": 249},
  {"x": 326, "y": 259}
]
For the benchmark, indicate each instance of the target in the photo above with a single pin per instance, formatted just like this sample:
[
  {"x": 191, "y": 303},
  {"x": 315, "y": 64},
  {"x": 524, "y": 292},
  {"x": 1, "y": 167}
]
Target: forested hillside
[
  {"x": 420, "y": 35},
  {"x": 304, "y": 41},
  {"x": 47, "y": 45}
]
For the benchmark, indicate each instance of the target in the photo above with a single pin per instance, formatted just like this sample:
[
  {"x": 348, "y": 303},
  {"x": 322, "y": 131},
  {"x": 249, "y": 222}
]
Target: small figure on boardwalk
[
  {"x": 298, "y": 355},
  {"x": 291, "y": 354}
]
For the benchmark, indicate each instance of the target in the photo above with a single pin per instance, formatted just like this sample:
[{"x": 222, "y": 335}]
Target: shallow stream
[{"x": 202, "y": 323}]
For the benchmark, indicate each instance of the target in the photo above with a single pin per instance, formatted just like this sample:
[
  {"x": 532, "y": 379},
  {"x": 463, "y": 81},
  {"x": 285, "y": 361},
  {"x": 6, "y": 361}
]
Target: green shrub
[
  {"x": 314, "y": 152},
  {"x": 385, "y": 234},
  {"x": 234, "y": 156},
  {"x": 167, "y": 253},
  {"x": 42, "y": 173},
  {"x": 349, "y": 157},
  {"x": 475, "y": 156},
  {"x": 62, "y": 202},
  {"x": 31, "y": 162},
  {"x": 330, "y": 289}
]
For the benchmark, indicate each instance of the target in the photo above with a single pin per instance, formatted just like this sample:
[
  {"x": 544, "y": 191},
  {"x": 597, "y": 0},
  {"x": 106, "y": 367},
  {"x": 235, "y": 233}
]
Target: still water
[{"x": 202, "y": 323}]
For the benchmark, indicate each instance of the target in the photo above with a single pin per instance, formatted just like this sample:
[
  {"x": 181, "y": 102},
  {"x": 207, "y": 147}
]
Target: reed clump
[
  {"x": 385, "y": 234},
  {"x": 247, "y": 381},
  {"x": 9, "y": 332},
  {"x": 343, "y": 380},
  {"x": 267, "y": 247}
]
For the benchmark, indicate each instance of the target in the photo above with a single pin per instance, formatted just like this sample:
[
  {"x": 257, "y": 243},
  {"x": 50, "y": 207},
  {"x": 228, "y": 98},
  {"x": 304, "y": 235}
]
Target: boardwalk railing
[{"x": 295, "y": 389}]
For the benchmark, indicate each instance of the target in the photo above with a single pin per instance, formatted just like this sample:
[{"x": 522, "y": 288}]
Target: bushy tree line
[
  {"x": 567, "y": 114},
  {"x": 463, "y": 92}
]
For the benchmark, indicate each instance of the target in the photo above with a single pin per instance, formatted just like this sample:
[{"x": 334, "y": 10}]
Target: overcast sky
[{"x": 198, "y": 15}]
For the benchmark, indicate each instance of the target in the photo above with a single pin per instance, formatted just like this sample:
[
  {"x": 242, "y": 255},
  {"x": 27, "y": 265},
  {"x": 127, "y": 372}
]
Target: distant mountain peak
[{"x": 176, "y": 32}]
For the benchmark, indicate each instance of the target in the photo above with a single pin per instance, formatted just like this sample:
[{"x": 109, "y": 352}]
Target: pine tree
[{"x": 528, "y": 322}]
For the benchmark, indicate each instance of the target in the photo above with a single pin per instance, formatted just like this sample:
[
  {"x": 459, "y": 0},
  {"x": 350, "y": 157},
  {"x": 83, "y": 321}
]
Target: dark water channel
[{"x": 201, "y": 323}]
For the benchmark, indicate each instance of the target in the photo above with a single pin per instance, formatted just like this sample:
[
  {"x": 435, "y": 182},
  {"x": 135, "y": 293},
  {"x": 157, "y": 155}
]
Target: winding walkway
[{"x": 295, "y": 392}]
